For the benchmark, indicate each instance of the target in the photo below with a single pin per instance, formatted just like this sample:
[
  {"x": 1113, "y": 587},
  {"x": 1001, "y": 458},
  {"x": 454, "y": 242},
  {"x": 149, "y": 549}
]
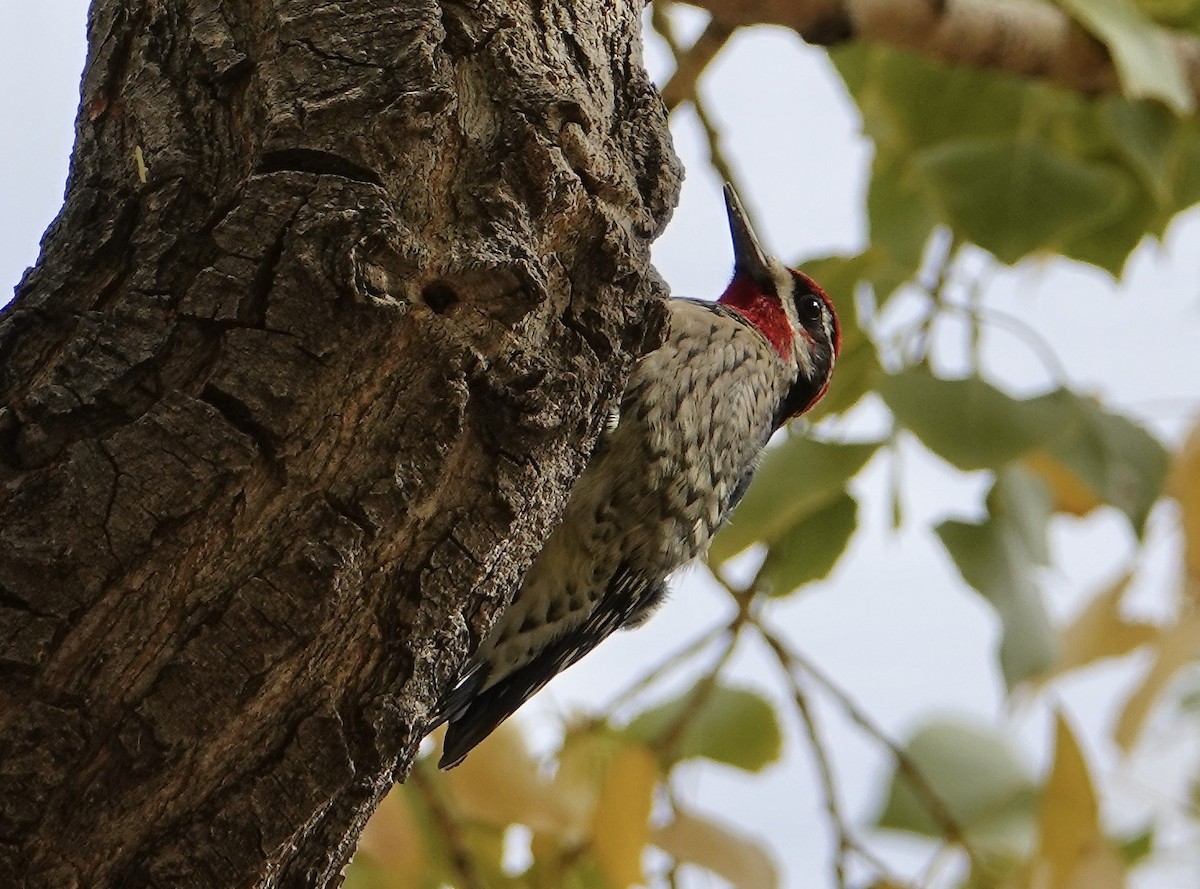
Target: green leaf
[
  {"x": 797, "y": 479},
  {"x": 981, "y": 781},
  {"x": 968, "y": 423},
  {"x": 998, "y": 558},
  {"x": 909, "y": 102},
  {"x": 1108, "y": 243},
  {"x": 901, "y": 216},
  {"x": 1016, "y": 165},
  {"x": 1183, "y": 14},
  {"x": 1114, "y": 457},
  {"x": 1022, "y": 501},
  {"x": 1145, "y": 60},
  {"x": 1186, "y": 190},
  {"x": 810, "y": 548},
  {"x": 1019, "y": 196},
  {"x": 728, "y": 725},
  {"x": 1146, "y": 135},
  {"x": 992, "y": 561},
  {"x": 1136, "y": 847},
  {"x": 973, "y": 425}
]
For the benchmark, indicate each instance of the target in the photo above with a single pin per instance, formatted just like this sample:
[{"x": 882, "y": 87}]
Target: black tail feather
[
  {"x": 482, "y": 712},
  {"x": 474, "y": 714},
  {"x": 456, "y": 700}
]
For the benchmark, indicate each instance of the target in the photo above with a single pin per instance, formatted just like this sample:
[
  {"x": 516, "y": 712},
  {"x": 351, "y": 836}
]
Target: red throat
[{"x": 763, "y": 310}]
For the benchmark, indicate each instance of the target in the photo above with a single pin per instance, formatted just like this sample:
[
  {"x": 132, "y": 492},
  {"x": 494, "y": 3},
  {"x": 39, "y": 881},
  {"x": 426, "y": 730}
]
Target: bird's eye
[{"x": 809, "y": 308}]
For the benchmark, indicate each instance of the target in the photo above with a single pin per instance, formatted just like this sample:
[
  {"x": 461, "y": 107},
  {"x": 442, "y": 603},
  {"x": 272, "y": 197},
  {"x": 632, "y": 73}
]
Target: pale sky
[{"x": 893, "y": 624}]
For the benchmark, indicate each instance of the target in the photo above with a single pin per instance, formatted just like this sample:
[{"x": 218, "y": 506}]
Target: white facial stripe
[{"x": 785, "y": 287}]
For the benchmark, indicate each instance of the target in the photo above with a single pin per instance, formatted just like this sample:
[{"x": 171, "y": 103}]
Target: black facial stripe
[
  {"x": 797, "y": 400},
  {"x": 816, "y": 318},
  {"x": 812, "y": 313}
]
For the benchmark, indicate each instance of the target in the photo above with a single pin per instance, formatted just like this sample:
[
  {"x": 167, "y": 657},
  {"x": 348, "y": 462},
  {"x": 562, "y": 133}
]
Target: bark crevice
[{"x": 338, "y": 300}]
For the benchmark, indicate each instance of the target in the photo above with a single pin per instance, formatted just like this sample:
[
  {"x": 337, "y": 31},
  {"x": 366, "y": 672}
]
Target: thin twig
[
  {"x": 946, "y": 247},
  {"x": 672, "y": 736},
  {"x": 655, "y": 673},
  {"x": 1026, "y": 332},
  {"x": 895, "y": 479},
  {"x": 828, "y": 786},
  {"x": 929, "y": 798},
  {"x": 846, "y": 841},
  {"x": 974, "y": 309},
  {"x": 673, "y": 875},
  {"x": 468, "y": 876},
  {"x": 716, "y": 157},
  {"x": 690, "y": 63},
  {"x": 748, "y": 613},
  {"x": 915, "y": 341},
  {"x": 937, "y": 863}
]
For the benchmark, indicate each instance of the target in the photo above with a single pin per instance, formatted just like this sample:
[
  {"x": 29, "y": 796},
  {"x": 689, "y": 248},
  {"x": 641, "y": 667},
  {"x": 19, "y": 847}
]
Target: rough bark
[{"x": 333, "y": 311}]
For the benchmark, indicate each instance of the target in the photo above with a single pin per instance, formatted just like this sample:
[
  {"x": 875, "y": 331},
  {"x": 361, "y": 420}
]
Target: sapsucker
[{"x": 694, "y": 418}]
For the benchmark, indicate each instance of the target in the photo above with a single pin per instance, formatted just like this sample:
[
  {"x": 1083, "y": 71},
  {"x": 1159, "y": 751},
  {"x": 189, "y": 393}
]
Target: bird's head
[{"x": 787, "y": 307}]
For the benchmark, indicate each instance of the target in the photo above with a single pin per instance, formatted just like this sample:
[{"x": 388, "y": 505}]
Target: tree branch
[
  {"x": 1022, "y": 37},
  {"x": 458, "y": 855},
  {"x": 688, "y": 65},
  {"x": 935, "y": 806},
  {"x": 846, "y": 841}
]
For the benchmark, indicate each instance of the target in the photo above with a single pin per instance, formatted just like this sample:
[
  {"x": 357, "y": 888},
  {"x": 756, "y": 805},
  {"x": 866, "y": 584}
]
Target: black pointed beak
[{"x": 748, "y": 256}]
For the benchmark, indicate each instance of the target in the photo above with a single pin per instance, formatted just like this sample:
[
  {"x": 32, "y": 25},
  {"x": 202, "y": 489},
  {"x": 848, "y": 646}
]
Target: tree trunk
[{"x": 331, "y": 316}]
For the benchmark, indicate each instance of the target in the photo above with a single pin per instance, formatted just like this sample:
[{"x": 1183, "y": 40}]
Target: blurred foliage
[{"x": 965, "y": 161}]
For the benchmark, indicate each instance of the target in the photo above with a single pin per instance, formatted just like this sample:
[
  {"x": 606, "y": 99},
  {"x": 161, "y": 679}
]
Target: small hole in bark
[{"x": 439, "y": 296}]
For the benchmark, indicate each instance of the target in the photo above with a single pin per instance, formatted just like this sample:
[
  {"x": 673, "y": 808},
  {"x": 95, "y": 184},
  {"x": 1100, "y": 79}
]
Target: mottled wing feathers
[
  {"x": 708, "y": 306},
  {"x": 694, "y": 418},
  {"x": 473, "y": 716}
]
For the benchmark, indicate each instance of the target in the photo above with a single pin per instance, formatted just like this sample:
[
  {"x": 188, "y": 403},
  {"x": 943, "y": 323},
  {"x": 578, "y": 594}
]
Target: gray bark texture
[{"x": 337, "y": 302}]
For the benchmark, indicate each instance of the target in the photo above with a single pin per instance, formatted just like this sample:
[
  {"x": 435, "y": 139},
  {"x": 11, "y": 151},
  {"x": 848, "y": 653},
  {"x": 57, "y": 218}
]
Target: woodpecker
[{"x": 694, "y": 419}]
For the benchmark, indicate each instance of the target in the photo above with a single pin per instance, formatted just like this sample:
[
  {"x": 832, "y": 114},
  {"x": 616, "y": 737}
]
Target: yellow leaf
[
  {"x": 1069, "y": 814},
  {"x": 583, "y": 763},
  {"x": 1183, "y": 484},
  {"x": 1100, "y": 631},
  {"x": 1069, "y": 492},
  {"x": 499, "y": 783},
  {"x": 621, "y": 821},
  {"x": 714, "y": 847},
  {"x": 392, "y": 842},
  {"x": 1073, "y": 852},
  {"x": 1175, "y": 647}
]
